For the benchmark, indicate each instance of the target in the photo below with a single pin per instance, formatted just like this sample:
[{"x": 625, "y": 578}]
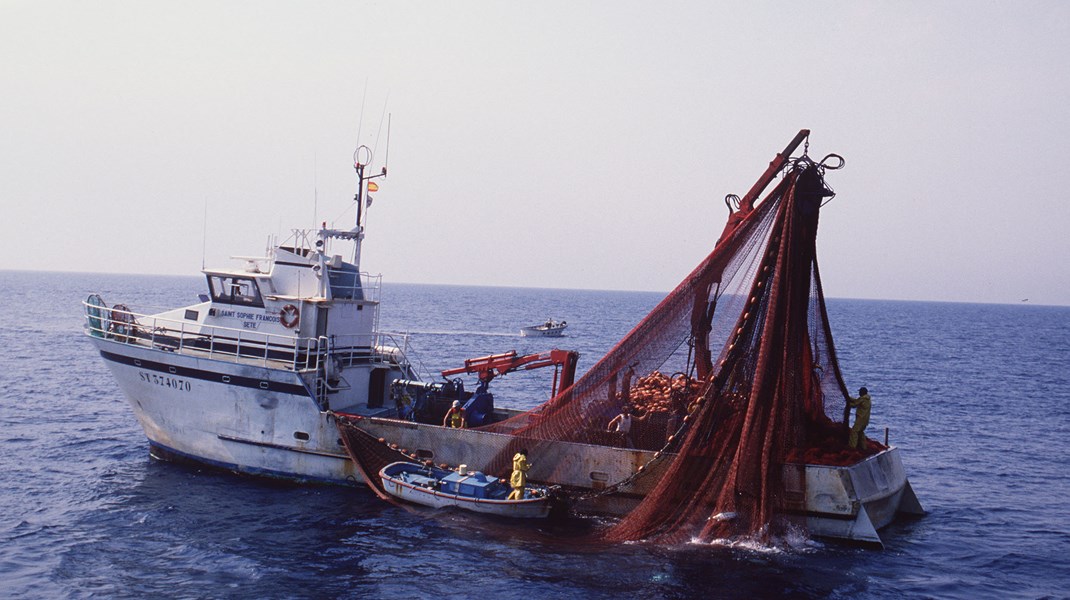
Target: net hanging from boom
[{"x": 732, "y": 378}]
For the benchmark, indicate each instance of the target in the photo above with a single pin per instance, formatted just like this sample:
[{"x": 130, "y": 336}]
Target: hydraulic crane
[
  {"x": 495, "y": 365},
  {"x": 428, "y": 402}
]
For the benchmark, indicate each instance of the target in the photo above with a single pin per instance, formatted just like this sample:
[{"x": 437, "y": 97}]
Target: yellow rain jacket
[
  {"x": 519, "y": 478},
  {"x": 862, "y": 405}
]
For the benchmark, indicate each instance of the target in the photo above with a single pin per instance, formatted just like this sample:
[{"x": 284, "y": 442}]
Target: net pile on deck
[{"x": 731, "y": 376}]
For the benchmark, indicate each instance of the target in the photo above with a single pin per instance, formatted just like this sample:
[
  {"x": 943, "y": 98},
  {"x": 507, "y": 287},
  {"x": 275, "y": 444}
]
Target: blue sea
[{"x": 976, "y": 396}]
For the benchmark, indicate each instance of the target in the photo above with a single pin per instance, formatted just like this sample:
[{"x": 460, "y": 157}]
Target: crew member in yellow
[
  {"x": 455, "y": 416},
  {"x": 519, "y": 478},
  {"x": 861, "y": 404}
]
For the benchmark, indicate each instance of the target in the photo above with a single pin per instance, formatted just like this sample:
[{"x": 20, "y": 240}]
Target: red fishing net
[
  {"x": 732, "y": 377},
  {"x": 732, "y": 381}
]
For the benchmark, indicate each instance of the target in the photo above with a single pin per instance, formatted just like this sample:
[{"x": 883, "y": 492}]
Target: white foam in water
[{"x": 795, "y": 540}]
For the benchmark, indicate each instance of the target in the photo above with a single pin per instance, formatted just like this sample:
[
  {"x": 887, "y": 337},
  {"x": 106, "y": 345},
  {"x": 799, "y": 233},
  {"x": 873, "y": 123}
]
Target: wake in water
[{"x": 468, "y": 333}]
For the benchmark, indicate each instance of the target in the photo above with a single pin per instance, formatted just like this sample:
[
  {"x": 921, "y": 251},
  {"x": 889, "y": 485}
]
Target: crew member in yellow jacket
[
  {"x": 519, "y": 478},
  {"x": 455, "y": 416},
  {"x": 861, "y": 404}
]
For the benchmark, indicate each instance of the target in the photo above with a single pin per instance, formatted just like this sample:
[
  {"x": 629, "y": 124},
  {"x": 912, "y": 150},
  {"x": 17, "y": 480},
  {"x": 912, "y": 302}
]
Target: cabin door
[
  {"x": 377, "y": 388},
  {"x": 321, "y": 321}
]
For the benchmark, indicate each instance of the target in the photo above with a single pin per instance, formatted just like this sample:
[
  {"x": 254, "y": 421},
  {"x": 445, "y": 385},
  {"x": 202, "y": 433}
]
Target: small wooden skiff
[{"x": 475, "y": 491}]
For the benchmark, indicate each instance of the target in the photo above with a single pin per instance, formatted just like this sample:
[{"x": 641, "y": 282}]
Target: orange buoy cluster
[
  {"x": 832, "y": 450},
  {"x": 658, "y": 392}
]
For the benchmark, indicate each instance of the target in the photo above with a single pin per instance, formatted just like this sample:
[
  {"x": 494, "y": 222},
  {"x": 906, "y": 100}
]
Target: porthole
[{"x": 301, "y": 435}]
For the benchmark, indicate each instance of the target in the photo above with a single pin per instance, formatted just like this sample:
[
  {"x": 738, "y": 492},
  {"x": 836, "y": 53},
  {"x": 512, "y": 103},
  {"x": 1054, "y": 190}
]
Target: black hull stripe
[{"x": 248, "y": 382}]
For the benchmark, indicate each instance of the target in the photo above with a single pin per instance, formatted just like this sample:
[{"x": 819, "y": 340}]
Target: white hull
[
  {"x": 851, "y": 502},
  {"x": 264, "y": 422},
  {"x": 261, "y": 421},
  {"x": 543, "y": 331}
]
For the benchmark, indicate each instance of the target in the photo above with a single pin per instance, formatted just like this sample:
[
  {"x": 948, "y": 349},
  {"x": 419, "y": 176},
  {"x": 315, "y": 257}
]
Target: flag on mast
[{"x": 373, "y": 187}]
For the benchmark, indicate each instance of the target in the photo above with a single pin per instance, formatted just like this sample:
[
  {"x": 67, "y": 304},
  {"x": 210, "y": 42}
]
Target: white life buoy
[{"x": 289, "y": 316}]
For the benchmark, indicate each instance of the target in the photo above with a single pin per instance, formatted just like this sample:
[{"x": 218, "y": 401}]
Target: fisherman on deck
[
  {"x": 519, "y": 478},
  {"x": 455, "y": 416},
  {"x": 622, "y": 425},
  {"x": 403, "y": 403},
  {"x": 861, "y": 404},
  {"x": 676, "y": 414}
]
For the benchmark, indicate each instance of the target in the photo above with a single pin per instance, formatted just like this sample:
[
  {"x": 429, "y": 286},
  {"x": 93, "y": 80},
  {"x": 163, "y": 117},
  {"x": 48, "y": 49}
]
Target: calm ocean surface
[{"x": 976, "y": 396}]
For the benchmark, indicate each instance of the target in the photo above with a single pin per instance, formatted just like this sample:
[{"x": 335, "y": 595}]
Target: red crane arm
[{"x": 491, "y": 366}]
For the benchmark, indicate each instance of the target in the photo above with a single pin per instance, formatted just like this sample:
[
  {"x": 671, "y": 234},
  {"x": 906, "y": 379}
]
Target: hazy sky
[{"x": 548, "y": 144}]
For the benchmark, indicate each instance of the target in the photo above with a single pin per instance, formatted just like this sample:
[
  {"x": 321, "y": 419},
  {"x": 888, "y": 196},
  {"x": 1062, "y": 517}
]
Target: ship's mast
[{"x": 362, "y": 157}]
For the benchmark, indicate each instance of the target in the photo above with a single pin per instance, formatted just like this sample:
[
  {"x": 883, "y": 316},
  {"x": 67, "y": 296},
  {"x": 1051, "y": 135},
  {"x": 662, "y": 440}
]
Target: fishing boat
[
  {"x": 257, "y": 375},
  {"x": 438, "y": 488},
  {"x": 550, "y": 328},
  {"x": 245, "y": 379}
]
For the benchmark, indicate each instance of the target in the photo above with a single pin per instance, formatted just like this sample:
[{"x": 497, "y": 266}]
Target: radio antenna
[
  {"x": 204, "y": 232},
  {"x": 386, "y": 160},
  {"x": 315, "y": 190},
  {"x": 382, "y": 118},
  {"x": 363, "y": 100}
]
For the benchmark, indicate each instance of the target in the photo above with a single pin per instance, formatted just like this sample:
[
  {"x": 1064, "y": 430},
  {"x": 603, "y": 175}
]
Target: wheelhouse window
[
  {"x": 228, "y": 289},
  {"x": 345, "y": 283}
]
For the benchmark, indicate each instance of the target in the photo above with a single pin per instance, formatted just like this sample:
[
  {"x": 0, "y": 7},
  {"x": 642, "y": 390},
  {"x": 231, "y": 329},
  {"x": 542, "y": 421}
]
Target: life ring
[
  {"x": 122, "y": 324},
  {"x": 97, "y": 313},
  {"x": 289, "y": 316}
]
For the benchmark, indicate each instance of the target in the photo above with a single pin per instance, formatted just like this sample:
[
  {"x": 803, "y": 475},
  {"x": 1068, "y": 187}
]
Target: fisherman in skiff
[
  {"x": 861, "y": 404},
  {"x": 519, "y": 478},
  {"x": 455, "y": 416}
]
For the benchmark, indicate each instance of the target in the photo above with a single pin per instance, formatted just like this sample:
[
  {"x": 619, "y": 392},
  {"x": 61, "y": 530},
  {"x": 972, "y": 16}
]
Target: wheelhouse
[{"x": 232, "y": 289}]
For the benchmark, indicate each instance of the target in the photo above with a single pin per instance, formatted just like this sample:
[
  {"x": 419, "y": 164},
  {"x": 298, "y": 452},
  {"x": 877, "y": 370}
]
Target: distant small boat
[
  {"x": 550, "y": 328},
  {"x": 475, "y": 491}
]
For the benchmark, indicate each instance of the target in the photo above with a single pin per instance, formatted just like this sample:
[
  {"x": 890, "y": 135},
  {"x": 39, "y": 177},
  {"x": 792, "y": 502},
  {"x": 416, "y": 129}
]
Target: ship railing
[
  {"x": 206, "y": 341},
  {"x": 351, "y": 285},
  {"x": 240, "y": 345},
  {"x": 398, "y": 345},
  {"x": 379, "y": 348},
  {"x": 337, "y": 352}
]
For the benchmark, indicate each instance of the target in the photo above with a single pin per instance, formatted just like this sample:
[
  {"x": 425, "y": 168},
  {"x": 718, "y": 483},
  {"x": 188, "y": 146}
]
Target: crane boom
[{"x": 494, "y": 365}]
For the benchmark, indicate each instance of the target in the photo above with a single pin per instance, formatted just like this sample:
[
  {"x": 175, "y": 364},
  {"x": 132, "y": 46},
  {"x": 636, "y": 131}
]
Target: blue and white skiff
[
  {"x": 474, "y": 491},
  {"x": 550, "y": 328}
]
